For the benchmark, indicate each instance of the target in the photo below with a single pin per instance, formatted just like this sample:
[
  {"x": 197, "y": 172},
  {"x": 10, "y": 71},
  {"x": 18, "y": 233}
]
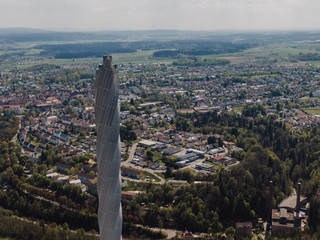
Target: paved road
[
  {"x": 162, "y": 181},
  {"x": 132, "y": 152},
  {"x": 127, "y": 163},
  {"x": 153, "y": 172}
]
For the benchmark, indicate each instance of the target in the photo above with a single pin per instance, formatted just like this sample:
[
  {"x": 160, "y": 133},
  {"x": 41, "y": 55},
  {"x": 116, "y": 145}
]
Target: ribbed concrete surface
[{"x": 108, "y": 151}]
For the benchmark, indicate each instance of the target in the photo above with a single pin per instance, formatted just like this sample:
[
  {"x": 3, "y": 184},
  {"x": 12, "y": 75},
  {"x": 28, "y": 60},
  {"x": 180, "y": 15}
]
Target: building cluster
[
  {"x": 203, "y": 160},
  {"x": 63, "y": 114},
  {"x": 290, "y": 213},
  {"x": 298, "y": 119},
  {"x": 84, "y": 177},
  {"x": 211, "y": 87},
  {"x": 60, "y": 130}
]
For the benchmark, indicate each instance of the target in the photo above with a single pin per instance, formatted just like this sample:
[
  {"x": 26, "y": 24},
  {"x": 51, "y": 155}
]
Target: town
[{"x": 183, "y": 124}]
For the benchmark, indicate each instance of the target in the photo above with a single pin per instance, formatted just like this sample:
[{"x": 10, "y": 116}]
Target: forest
[
  {"x": 97, "y": 49},
  {"x": 272, "y": 152}
]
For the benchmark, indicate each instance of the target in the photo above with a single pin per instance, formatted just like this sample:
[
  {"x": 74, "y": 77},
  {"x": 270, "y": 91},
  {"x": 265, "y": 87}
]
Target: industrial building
[{"x": 288, "y": 215}]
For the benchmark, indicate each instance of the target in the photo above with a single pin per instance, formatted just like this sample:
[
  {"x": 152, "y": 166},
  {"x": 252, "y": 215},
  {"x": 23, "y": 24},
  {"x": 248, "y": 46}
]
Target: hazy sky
[{"x": 161, "y": 14}]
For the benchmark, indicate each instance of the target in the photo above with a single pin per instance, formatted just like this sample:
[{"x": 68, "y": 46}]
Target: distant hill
[
  {"x": 6, "y": 31},
  {"x": 11, "y": 35}
]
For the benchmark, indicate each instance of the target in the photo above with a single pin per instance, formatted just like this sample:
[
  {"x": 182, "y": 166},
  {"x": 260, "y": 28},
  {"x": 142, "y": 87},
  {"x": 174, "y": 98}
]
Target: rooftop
[{"x": 291, "y": 201}]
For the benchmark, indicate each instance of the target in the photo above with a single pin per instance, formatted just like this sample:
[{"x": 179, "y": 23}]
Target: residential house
[
  {"x": 131, "y": 172},
  {"x": 92, "y": 188},
  {"x": 85, "y": 178},
  {"x": 61, "y": 167},
  {"x": 128, "y": 195}
]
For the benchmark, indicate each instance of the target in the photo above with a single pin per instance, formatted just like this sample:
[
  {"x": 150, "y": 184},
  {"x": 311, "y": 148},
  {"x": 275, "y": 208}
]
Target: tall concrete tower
[{"x": 108, "y": 151}]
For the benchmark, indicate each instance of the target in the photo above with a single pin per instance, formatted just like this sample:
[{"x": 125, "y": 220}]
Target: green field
[
  {"x": 308, "y": 99},
  {"x": 312, "y": 110},
  {"x": 238, "y": 108},
  {"x": 276, "y": 49},
  {"x": 132, "y": 186},
  {"x": 137, "y": 57},
  {"x": 279, "y": 53},
  {"x": 156, "y": 156},
  {"x": 314, "y": 63}
]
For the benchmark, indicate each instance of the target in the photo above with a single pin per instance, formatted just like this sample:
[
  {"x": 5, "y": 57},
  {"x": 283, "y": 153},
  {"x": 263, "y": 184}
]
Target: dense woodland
[
  {"x": 307, "y": 57},
  {"x": 187, "y": 47},
  {"x": 197, "y": 48}
]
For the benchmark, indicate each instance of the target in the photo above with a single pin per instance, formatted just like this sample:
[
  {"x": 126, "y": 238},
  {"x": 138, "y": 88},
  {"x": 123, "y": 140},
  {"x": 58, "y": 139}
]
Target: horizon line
[{"x": 284, "y": 30}]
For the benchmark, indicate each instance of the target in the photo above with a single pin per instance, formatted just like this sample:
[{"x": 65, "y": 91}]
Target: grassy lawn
[
  {"x": 35, "y": 143},
  {"x": 238, "y": 108},
  {"x": 263, "y": 76},
  {"x": 132, "y": 186},
  {"x": 163, "y": 176},
  {"x": 312, "y": 110},
  {"x": 135, "y": 141},
  {"x": 33, "y": 51},
  {"x": 147, "y": 175},
  {"x": 160, "y": 175},
  {"x": 269, "y": 51},
  {"x": 314, "y": 63},
  {"x": 137, "y": 57},
  {"x": 156, "y": 156},
  {"x": 308, "y": 99}
]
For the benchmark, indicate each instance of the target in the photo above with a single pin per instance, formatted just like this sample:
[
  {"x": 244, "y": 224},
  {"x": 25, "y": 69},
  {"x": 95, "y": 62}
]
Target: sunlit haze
[{"x": 161, "y": 14}]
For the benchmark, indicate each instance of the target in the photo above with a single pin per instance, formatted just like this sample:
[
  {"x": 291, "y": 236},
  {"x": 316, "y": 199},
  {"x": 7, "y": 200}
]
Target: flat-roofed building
[
  {"x": 147, "y": 143},
  {"x": 204, "y": 166}
]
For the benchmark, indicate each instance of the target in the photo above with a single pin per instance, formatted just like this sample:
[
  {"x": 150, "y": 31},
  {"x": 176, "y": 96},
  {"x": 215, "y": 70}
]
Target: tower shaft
[{"x": 108, "y": 151}]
